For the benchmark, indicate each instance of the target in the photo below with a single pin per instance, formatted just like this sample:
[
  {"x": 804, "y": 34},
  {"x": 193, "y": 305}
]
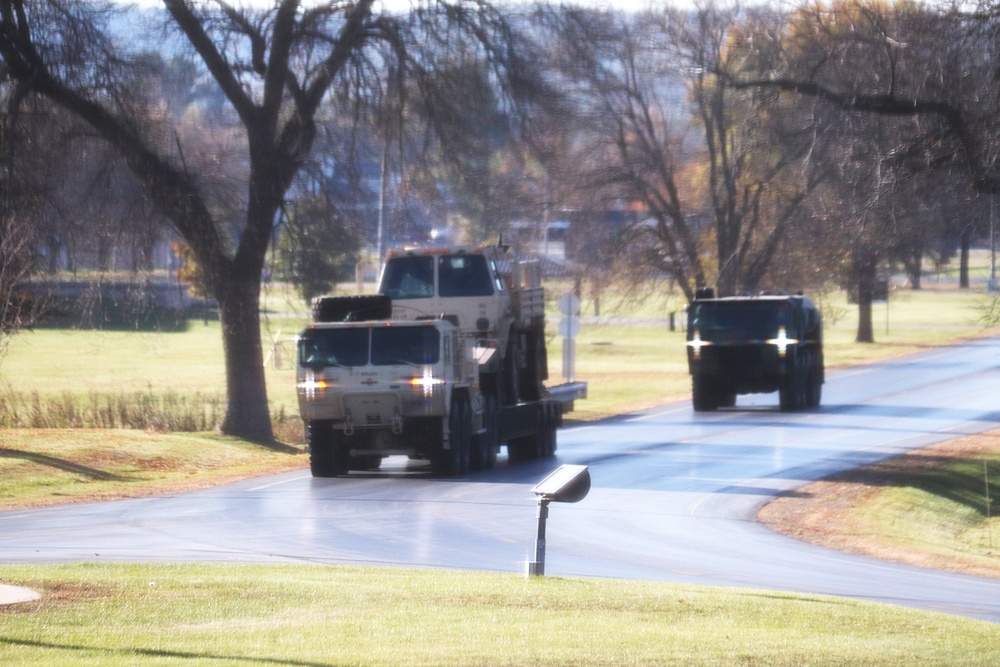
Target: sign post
[{"x": 569, "y": 328}]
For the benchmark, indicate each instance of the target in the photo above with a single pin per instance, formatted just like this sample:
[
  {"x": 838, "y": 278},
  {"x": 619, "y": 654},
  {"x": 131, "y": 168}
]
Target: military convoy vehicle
[
  {"x": 446, "y": 363},
  {"x": 754, "y": 344}
]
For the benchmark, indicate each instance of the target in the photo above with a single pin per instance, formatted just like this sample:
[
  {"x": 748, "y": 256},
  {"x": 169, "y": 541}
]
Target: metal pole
[{"x": 536, "y": 568}]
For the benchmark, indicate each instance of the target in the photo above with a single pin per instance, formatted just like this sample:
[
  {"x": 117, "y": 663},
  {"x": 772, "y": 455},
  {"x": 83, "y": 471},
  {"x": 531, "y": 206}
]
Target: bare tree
[
  {"x": 276, "y": 68},
  {"x": 710, "y": 164},
  {"x": 928, "y": 71}
]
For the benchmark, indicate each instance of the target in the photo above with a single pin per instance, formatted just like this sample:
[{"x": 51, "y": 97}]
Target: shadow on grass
[
  {"x": 64, "y": 465},
  {"x": 158, "y": 653},
  {"x": 958, "y": 479}
]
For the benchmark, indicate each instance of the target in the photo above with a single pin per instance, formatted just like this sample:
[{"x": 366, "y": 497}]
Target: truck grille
[{"x": 371, "y": 409}]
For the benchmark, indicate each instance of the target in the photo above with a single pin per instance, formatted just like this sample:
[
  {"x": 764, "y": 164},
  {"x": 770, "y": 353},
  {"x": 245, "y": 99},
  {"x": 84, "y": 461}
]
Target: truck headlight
[
  {"x": 313, "y": 387},
  {"x": 426, "y": 383}
]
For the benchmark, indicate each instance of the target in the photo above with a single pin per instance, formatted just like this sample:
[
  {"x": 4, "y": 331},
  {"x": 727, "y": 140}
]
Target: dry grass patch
[
  {"x": 928, "y": 508},
  {"x": 43, "y": 467}
]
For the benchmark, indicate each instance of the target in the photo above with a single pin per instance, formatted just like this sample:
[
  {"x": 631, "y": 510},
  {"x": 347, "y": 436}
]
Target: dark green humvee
[{"x": 753, "y": 345}]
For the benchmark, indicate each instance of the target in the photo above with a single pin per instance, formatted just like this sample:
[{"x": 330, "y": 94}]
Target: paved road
[{"x": 674, "y": 498}]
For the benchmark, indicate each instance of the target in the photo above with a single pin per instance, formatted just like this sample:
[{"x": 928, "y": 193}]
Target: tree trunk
[
  {"x": 866, "y": 293},
  {"x": 916, "y": 270},
  {"x": 247, "y": 413},
  {"x": 963, "y": 266}
]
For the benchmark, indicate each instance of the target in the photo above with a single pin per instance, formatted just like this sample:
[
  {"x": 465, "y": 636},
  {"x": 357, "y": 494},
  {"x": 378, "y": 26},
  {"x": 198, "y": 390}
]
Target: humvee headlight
[
  {"x": 782, "y": 341},
  {"x": 696, "y": 343}
]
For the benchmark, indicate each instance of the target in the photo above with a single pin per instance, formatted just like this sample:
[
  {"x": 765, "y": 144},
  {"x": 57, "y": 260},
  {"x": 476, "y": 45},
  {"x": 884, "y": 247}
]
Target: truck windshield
[
  {"x": 406, "y": 345},
  {"x": 733, "y": 322},
  {"x": 464, "y": 275},
  {"x": 333, "y": 347},
  {"x": 319, "y": 348},
  {"x": 408, "y": 278},
  {"x": 458, "y": 275}
]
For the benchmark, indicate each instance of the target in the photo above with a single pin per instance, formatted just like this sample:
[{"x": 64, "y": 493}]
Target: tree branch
[{"x": 890, "y": 105}]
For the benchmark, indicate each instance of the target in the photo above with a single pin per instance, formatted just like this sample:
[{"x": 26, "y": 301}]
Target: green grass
[
  {"x": 315, "y": 615},
  {"x": 628, "y": 365}
]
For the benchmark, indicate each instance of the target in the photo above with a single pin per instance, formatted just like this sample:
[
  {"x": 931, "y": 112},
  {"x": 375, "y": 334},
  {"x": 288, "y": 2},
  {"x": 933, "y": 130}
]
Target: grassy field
[
  {"x": 314, "y": 615},
  {"x": 628, "y": 356}
]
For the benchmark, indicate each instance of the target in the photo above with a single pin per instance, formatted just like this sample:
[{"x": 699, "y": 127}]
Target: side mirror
[{"x": 566, "y": 484}]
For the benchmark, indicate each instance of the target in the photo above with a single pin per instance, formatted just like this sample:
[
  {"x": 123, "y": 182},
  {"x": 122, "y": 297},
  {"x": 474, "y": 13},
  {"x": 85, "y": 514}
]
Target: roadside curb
[{"x": 15, "y": 594}]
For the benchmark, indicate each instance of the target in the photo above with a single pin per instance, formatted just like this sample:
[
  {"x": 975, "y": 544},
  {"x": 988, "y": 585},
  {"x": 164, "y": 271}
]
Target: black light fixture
[{"x": 566, "y": 484}]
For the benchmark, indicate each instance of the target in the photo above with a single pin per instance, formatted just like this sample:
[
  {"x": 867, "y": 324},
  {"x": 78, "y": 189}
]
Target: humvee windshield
[
  {"x": 378, "y": 346},
  {"x": 458, "y": 275},
  {"x": 738, "y": 321}
]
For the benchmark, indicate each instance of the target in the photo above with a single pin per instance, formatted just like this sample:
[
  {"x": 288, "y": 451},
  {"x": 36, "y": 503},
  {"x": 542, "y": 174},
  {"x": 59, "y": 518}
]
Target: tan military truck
[{"x": 446, "y": 363}]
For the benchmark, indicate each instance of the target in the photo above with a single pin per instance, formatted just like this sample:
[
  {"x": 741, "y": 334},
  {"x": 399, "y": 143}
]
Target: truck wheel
[
  {"x": 524, "y": 448},
  {"x": 549, "y": 425},
  {"x": 484, "y": 454},
  {"x": 455, "y": 461},
  {"x": 792, "y": 393},
  {"x": 531, "y": 446},
  {"x": 703, "y": 394},
  {"x": 814, "y": 388},
  {"x": 326, "y": 451}
]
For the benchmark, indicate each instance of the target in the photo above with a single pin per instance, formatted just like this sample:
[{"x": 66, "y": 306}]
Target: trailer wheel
[
  {"x": 531, "y": 446},
  {"x": 510, "y": 374},
  {"x": 550, "y": 422},
  {"x": 326, "y": 449},
  {"x": 534, "y": 371},
  {"x": 524, "y": 448}
]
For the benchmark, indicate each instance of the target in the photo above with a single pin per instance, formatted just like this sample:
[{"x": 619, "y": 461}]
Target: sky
[{"x": 617, "y": 4}]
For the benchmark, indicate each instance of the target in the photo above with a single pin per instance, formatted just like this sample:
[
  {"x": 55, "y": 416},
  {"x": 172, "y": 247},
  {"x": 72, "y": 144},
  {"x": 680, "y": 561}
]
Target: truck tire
[
  {"x": 534, "y": 374},
  {"x": 524, "y": 448},
  {"x": 704, "y": 397},
  {"x": 484, "y": 453},
  {"x": 351, "y": 308},
  {"x": 455, "y": 460},
  {"x": 327, "y": 454},
  {"x": 792, "y": 392},
  {"x": 532, "y": 446},
  {"x": 549, "y": 425},
  {"x": 814, "y": 386}
]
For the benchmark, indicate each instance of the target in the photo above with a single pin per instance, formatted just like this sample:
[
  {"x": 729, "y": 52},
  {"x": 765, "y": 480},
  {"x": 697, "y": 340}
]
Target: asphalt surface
[{"x": 674, "y": 497}]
